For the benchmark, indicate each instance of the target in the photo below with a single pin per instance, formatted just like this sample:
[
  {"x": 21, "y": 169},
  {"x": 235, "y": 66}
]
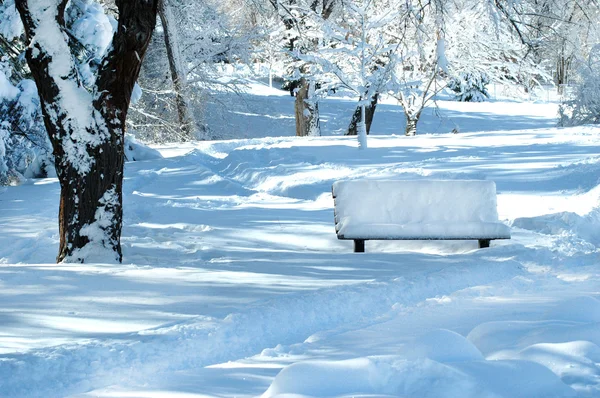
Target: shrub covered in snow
[
  {"x": 470, "y": 86},
  {"x": 584, "y": 106},
  {"x": 24, "y": 147},
  {"x": 10, "y": 21}
]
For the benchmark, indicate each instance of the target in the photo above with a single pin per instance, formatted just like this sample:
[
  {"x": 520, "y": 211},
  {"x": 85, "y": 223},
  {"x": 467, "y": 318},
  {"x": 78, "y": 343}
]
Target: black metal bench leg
[
  {"x": 359, "y": 245},
  {"x": 484, "y": 243}
]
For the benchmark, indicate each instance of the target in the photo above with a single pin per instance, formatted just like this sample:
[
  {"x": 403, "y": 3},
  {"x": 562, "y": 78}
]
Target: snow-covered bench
[{"x": 417, "y": 210}]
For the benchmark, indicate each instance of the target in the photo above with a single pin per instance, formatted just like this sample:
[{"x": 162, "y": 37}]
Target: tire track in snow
[{"x": 65, "y": 370}]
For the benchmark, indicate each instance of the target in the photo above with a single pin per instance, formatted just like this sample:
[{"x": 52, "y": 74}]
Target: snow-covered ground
[{"x": 235, "y": 284}]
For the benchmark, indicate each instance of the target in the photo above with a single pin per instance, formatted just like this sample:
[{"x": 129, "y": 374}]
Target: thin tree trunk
[
  {"x": 306, "y": 108},
  {"x": 87, "y": 129},
  {"x": 414, "y": 106},
  {"x": 178, "y": 70},
  {"x": 362, "y": 130},
  {"x": 307, "y": 111},
  {"x": 369, "y": 113},
  {"x": 411, "y": 125},
  {"x": 560, "y": 74}
]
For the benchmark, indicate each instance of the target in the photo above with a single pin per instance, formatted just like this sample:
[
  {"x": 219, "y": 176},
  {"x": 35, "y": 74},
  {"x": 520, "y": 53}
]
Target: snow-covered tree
[
  {"x": 84, "y": 99},
  {"x": 415, "y": 90},
  {"x": 24, "y": 147},
  {"x": 420, "y": 59},
  {"x": 557, "y": 33},
  {"x": 355, "y": 54},
  {"x": 184, "y": 67},
  {"x": 178, "y": 68},
  {"x": 584, "y": 107},
  {"x": 480, "y": 43},
  {"x": 470, "y": 86},
  {"x": 302, "y": 21}
]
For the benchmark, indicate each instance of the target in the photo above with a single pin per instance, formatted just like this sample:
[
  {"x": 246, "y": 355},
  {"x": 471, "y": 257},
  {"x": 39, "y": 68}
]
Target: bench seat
[{"x": 418, "y": 231}]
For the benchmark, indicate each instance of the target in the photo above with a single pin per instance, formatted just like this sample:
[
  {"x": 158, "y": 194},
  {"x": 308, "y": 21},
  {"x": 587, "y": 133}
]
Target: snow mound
[
  {"x": 571, "y": 349},
  {"x": 563, "y": 223},
  {"x": 397, "y": 376},
  {"x": 135, "y": 150},
  {"x": 390, "y": 376},
  {"x": 570, "y": 320},
  {"x": 577, "y": 363},
  {"x": 578, "y": 309},
  {"x": 445, "y": 346},
  {"x": 515, "y": 379}
]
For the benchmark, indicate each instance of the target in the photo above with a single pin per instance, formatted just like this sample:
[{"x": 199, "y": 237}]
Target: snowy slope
[{"x": 232, "y": 271}]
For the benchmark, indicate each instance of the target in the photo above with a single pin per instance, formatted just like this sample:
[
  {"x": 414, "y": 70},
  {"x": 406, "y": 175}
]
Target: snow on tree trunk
[
  {"x": 369, "y": 113},
  {"x": 411, "y": 125},
  {"x": 307, "y": 110},
  {"x": 178, "y": 70},
  {"x": 362, "y": 129},
  {"x": 86, "y": 127}
]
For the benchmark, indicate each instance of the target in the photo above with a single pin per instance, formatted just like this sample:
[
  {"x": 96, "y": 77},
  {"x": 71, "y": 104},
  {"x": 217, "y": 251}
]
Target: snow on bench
[{"x": 417, "y": 210}]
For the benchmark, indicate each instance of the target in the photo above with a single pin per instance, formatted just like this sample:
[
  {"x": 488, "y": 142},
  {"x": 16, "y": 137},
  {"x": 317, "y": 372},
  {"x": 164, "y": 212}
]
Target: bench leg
[
  {"x": 359, "y": 245},
  {"x": 484, "y": 243}
]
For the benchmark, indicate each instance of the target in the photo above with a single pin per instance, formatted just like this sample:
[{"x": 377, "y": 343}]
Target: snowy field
[{"x": 234, "y": 283}]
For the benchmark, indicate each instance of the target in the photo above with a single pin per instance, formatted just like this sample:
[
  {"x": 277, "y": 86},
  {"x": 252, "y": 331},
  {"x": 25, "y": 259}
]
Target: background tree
[
  {"x": 210, "y": 37},
  {"x": 584, "y": 106},
  {"x": 355, "y": 55},
  {"x": 177, "y": 67},
  {"x": 303, "y": 32},
  {"x": 421, "y": 56}
]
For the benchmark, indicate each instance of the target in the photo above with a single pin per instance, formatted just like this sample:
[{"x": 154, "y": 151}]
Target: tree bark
[
  {"x": 369, "y": 113},
  {"x": 307, "y": 111},
  {"x": 562, "y": 70},
  {"x": 411, "y": 126},
  {"x": 86, "y": 128},
  {"x": 177, "y": 68}
]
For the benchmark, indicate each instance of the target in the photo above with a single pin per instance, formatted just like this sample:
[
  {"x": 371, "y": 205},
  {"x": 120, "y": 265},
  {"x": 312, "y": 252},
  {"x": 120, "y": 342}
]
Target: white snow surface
[
  {"x": 93, "y": 28},
  {"x": 10, "y": 20},
  {"x": 7, "y": 90},
  {"x": 419, "y": 209},
  {"x": 234, "y": 283}
]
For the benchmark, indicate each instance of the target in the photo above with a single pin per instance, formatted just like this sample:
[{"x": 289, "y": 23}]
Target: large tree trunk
[
  {"x": 369, "y": 113},
  {"x": 178, "y": 70},
  {"x": 87, "y": 128},
  {"x": 307, "y": 111}
]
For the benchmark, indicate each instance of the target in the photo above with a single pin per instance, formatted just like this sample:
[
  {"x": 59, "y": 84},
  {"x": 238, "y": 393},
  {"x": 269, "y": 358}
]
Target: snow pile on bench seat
[{"x": 417, "y": 209}]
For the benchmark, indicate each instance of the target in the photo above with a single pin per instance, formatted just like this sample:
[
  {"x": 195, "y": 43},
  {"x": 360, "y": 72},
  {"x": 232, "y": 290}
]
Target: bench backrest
[{"x": 415, "y": 201}]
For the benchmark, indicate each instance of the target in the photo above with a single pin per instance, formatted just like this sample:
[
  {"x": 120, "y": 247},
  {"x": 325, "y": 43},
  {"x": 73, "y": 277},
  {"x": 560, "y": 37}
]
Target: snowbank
[
  {"x": 136, "y": 151},
  {"x": 456, "y": 376}
]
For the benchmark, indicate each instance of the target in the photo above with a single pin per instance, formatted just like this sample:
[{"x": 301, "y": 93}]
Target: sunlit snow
[{"x": 234, "y": 284}]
